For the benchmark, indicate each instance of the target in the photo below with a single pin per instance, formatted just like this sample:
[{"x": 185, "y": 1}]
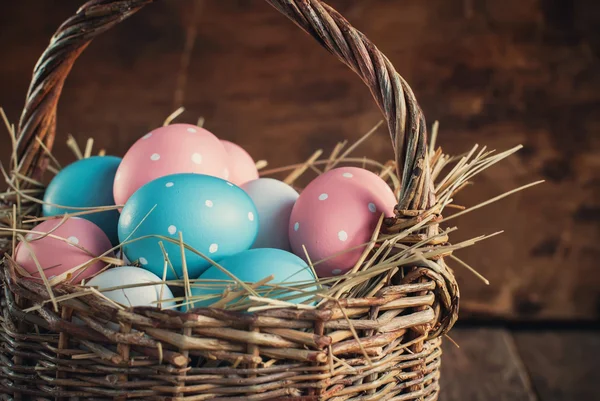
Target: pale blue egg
[
  {"x": 215, "y": 217},
  {"x": 252, "y": 266},
  {"x": 85, "y": 183}
]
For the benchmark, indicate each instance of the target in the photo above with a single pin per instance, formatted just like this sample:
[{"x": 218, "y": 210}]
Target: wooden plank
[
  {"x": 563, "y": 365},
  {"x": 485, "y": 367},
  {"x": 121, "y": 88},
  {"x": 495, "y": 73}
]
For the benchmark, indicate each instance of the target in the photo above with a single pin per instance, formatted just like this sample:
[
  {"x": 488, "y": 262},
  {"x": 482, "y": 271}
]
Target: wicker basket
[{"x": 385, "y": 347}]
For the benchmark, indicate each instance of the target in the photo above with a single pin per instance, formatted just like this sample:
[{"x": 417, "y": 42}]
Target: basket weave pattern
[{"x": 385, "y": 347}]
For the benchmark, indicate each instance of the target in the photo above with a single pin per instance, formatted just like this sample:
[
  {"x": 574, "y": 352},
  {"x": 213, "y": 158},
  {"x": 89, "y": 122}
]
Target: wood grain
[
  {"x": 495, "y": 72},
  {"x": 563, "y": 365},
  {"x": 485, "y": 367}
]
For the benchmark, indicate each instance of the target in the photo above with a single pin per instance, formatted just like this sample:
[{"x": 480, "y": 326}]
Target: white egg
[
  {"x": 134, "y": 296},
  {"x": 120, "y": 255},
  {"x": 274, "y": 201}
]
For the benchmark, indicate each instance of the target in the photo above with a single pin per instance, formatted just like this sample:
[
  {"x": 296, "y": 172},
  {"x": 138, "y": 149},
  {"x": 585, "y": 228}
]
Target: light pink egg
[
  {"x": 56, "y": 256},
  {"x": 241, "y": 165},
  {"x": 337, "y": 212},
  {"x": 177, "y": 148}
]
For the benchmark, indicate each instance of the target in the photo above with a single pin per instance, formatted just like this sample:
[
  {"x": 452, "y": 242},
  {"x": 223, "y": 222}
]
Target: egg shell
[
  {"x": 134, "y": 296},
  {"x": 56, "y": 257},
  {"x": 242, "y": 167},
  {"x": 85, "y": 183},
  {"x": 173, "y": 149},
  {"x": 252, "y": 266},
  {"x": 274, "y": 201},
  {"x": 214, "y": 216},
  {"x": 337, "y": 212},
  {"x": 120, "y": 255}
]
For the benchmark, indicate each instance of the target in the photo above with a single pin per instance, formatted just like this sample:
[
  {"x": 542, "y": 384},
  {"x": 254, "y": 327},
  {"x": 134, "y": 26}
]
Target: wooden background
[{"x": 493, "y": 72}]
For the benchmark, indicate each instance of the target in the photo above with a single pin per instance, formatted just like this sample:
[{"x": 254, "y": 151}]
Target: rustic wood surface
[
  {"x": 523, "y": 365},
  {"x": 529, "y": 365},
  {"x": 563, "y": 365},
  {"x": 487, "y": 366},
  {"x": 494, "y": 72}
]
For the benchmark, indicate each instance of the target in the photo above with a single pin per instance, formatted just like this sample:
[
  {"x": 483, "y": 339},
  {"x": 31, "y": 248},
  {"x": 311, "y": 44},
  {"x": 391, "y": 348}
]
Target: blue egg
[
  {"x": 215, "y": 217},
  {"x": 252, "y": 266},
  {"x": 86, "y": 183}
]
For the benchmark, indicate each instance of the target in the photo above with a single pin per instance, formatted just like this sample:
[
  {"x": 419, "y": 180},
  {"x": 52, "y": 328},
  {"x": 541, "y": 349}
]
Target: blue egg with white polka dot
[
  {"x": 215, "y": 218},
  {"x": 87, "y": 183},
  {"x": 252, "y": 266}
]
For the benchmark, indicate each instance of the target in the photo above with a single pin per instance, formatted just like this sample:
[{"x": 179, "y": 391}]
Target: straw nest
[
  {"x": 397, "y": 242},
  {"x": 377, "y": 324}
]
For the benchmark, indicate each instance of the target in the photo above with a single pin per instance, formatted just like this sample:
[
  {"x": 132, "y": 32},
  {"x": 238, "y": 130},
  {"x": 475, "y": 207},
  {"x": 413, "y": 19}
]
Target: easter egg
[
  {"x": 215, "y": 217},
  {"x": 173, "y": 149},
  {"x": 274, "y": 201},
  {"x": 86, "y": 183},
  {"x": 252, "y": 266},
  {"x": 85, "y": 242},
  {"x": 336, "y": 214},
  {"x": 241, "y": 166},
  {"x": 133, "y": 296},
  {"x": 120, "y": 255}
]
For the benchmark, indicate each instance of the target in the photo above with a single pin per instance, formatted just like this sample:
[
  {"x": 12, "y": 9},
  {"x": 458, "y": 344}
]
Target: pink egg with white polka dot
[
  {"x": 173, "y": 149},
  {"x": 336, "y": 214},
  {"x": 84, "y": 242},
  {"x": 241, "y": 165}
]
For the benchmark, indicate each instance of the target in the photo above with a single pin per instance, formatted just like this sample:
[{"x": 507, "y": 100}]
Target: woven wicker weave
[{"x": 217, "y": 354}]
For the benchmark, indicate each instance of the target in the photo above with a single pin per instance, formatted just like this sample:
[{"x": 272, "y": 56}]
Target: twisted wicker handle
[{"x": 394, "y": 97}]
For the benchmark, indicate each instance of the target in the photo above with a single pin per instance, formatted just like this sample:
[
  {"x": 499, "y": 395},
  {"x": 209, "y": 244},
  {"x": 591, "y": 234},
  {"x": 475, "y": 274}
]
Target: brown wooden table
[{"x": 542, "y": 364}]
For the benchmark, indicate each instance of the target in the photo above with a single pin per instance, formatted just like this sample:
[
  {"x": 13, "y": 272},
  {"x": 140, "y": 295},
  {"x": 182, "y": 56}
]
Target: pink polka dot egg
[
  {"x": 241, "y": 166},
  {"x": 173, "y": 149},
  {"x": 337, "y": 213},
  {"x": 84, "y": 242}
]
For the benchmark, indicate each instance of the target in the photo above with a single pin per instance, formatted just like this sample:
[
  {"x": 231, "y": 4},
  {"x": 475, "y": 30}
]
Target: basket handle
[{"x": 392, "y": 94}]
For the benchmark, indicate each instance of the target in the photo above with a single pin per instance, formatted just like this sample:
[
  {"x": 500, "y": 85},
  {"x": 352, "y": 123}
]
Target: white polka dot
[
  {"x": 213, "y": 248},
  {"x": 336, "y": 272},
  {"x": 73, "y": 240},
  {"x": 148, "y": 135},
  {"x": 126, "y": 219},
  {"x": 172, "y": 229},
  {"x": 226, "y": 173},
  {"x": 296, "y": 226},
  {"x": 343, "y": 235},
  {"x": 250, "y": 216},
  {"x": 347, "y": 175},
  {"x": 230, "y": 184},
  {"x": 169, "y": 184},
  {"x": 192, "y": 130},
  {"x": 143, "y": 261},
  {"x": 154, "y": 157},
  {"x": 209, "y": 203},
  {"x": 323, "y": 196},
  {"x": 197, "y": 158},
  {"x": 372, "y": 208},
  {"x": 29, "y": 237},
  {"x": 118, "y": 177}
]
